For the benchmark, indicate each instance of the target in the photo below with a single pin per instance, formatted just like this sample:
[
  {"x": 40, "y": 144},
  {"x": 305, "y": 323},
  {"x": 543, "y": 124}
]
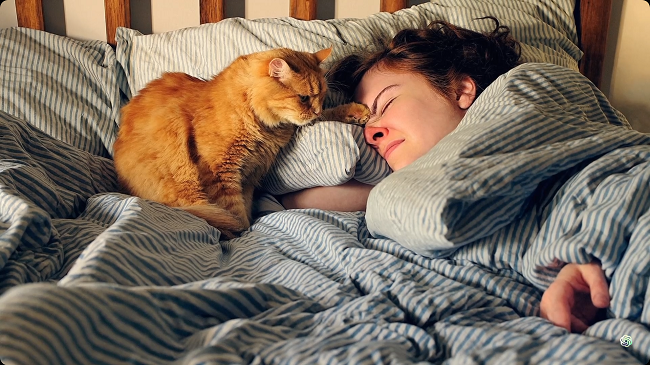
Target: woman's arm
[{"x": 349, "y": 197}]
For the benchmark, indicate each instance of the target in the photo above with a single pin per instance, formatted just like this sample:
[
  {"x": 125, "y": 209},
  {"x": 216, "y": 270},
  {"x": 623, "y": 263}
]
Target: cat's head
[{"x": 298, "y": 86}]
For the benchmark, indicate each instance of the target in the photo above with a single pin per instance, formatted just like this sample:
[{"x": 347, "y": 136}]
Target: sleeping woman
[{"x": 418, "y": 89}]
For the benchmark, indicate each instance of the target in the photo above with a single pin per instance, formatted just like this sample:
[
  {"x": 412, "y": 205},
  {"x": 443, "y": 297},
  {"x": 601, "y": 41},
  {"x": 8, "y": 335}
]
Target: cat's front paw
[
  {"x": 350, "y": 113},
  {"x": 357, "y": 114}
]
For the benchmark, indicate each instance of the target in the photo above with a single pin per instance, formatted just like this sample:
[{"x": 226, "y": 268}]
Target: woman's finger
[
  {"x": 572, "y": 274},
  {"x": 577, "y": 325},
  {"x": 595, "y": 278},
  {"x": 556, "y": 304}
]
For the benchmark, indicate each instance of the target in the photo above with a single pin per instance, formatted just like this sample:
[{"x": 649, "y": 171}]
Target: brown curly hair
[{"x": 442, "y": 52}]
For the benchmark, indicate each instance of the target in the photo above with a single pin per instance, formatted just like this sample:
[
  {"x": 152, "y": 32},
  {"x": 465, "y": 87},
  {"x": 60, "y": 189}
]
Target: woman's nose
[{"x": 374, "y": 134}]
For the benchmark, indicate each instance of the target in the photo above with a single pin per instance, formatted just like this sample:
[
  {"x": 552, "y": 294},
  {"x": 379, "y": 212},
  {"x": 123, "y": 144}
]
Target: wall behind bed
[{"x": 626, "y": 78}]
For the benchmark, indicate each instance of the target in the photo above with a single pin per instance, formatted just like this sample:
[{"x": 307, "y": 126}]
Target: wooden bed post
[
  {"x": 118, "y": 14},
  {"x": 303, "y": 9},
  {"x": 392, "y": 6},
  {"x": 592, "y": 28},
  {"x": 212, "y": 11},
  {"x": 29, "y": 14}
]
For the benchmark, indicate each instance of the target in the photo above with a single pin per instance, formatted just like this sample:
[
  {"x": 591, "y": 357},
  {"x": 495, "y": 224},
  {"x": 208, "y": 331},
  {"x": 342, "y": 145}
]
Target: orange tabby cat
[{"x": 204, "y": 146}]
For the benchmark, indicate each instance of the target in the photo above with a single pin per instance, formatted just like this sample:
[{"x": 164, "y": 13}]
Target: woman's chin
[{"x": 395, "y": 166}]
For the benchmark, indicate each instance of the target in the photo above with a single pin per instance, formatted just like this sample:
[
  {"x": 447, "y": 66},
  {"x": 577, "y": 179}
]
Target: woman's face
[{"x": 408, "y": 116}]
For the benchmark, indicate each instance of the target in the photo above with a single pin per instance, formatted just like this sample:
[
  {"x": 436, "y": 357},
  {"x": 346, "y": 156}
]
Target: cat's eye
[{"x": 304, "y": 98}]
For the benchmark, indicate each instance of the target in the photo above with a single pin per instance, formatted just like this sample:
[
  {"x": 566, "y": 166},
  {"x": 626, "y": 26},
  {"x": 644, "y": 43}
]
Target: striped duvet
[{"x": 91, "y": 276}]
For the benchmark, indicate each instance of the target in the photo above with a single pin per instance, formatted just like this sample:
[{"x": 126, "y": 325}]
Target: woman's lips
[{"x": 391, "y": 147}]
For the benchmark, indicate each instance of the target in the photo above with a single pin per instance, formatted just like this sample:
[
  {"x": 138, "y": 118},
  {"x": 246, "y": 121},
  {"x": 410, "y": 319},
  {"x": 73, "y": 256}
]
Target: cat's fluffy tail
[{"x": 229, "y": 224}]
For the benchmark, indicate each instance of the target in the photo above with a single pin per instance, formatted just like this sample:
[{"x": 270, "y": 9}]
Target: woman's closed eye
[
  {"x": 385, "y": 107},
  {"x": 376, "y": 116}
]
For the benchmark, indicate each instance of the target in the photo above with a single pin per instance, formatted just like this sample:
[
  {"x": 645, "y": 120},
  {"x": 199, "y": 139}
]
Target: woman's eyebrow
[{"x": 373, "y": 110}]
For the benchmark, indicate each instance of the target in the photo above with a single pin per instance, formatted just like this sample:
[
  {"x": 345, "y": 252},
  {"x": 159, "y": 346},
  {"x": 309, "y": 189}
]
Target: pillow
[
  {"x": 546, "y": 29},
  {"x": 325, "y": 154},
  {"x": 536, "y": 123},
  {"x": 67, "y": 88}
]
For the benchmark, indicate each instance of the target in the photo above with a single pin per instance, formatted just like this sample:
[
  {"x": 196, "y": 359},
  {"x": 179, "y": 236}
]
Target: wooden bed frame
[{"x": 592, "y": 20}]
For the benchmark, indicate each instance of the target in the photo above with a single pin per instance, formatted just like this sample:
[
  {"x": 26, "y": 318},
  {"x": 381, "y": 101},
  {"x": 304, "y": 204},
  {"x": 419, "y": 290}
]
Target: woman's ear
[{"x": 466, "y": 93}]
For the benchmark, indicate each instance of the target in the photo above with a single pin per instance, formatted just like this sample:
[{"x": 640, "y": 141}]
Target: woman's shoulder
[{"x": 532, "y": 78}]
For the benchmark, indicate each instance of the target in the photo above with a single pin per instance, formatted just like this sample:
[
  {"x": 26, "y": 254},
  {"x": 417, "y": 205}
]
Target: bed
[{"x": 541, "y": 172}]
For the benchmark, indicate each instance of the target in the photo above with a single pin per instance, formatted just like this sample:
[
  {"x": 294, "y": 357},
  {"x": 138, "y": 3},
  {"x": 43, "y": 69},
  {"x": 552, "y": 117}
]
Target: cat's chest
[{"x": 263, "y": 146}]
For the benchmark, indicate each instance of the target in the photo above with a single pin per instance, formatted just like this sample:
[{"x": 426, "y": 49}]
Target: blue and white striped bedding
[
  {"x": 68, "y": 88},
  {"x": 91, "y": 276}
]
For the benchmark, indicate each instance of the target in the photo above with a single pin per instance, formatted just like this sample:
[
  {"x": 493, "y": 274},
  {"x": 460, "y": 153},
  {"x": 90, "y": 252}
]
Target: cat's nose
[{"x": 317, "y": 111}]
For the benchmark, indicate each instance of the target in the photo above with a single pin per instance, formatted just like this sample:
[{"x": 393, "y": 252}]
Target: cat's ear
[
  {"x": 323, "y": 54},
  {"x": 279, "y": 69}
]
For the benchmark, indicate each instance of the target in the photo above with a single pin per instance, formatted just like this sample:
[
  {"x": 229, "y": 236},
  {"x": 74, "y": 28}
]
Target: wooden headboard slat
[
  {"x": 303, "y": 9},
  {"x": 392, "y": 6},
  {"x": 118, "y": 14},
  {"x": 29, "y": 14},
  {"x": 593, "y": 26},
  {"x": 212, "y": 11}
]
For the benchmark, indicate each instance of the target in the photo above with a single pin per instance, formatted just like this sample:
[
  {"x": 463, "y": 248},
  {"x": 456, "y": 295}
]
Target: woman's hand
[{"x": 576, "y": 296}]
